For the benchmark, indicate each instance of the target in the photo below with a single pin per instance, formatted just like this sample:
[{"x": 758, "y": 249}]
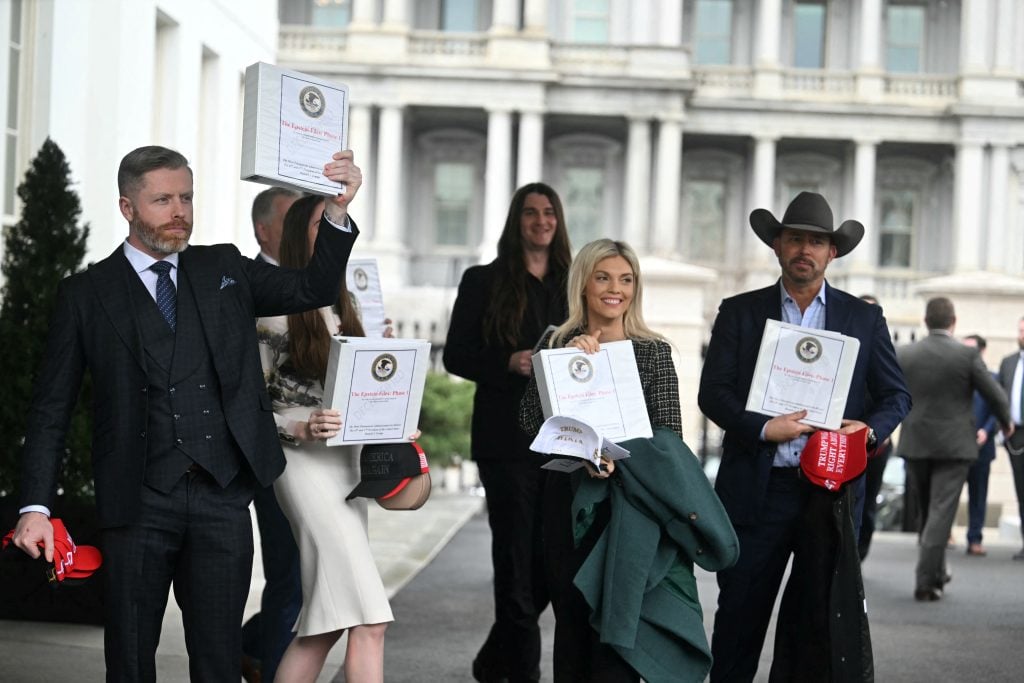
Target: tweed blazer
[
  {"x": 657, "y": 378},
  {"x": 943, "y": 375},
  {"x": 94, "y": 329}
]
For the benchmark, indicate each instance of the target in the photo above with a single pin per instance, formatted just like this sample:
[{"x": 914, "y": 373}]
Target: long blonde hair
[{"x": 583, "y": 266}]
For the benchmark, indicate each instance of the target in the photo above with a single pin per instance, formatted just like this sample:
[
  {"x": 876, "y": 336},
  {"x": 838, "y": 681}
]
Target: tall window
[
  {"x": 904, "y": 38},
  {"x": 704, "y": 206},
  {"x": 590, "y": 21},
  {"x": 809, "y": 34},
  {"x": 453, "y": 198},
  {"x": 458, "y": 15},
  {"x": 11, "y": 127},
  {"x": 584, "y": 204},
  {"x": 898, "y": 213},
  {"x": 713, "y": 32},
  {"x": 331, "y": 12}
]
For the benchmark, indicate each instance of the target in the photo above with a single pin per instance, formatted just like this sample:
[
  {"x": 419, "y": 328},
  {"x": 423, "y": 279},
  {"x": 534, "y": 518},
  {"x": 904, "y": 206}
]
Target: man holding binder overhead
[
  {"x": 183, "y": 432},
  {"x": 758, "y": 480}
]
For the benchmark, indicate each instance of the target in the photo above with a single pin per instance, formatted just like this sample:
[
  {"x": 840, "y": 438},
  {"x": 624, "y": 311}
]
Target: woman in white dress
[{"x": 341, "y": 587}]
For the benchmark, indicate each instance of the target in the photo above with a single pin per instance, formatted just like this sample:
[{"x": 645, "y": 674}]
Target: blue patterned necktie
[{"x": 166, "y": 295}]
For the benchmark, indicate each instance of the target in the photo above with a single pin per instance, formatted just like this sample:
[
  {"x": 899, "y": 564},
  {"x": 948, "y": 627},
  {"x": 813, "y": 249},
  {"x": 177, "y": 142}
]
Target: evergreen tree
[{"x": 44, "y": 247}]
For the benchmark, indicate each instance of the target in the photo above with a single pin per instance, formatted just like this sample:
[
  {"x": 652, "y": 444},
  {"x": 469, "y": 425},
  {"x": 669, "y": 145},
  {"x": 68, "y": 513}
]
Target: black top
[{"x": 467, "y": 354}]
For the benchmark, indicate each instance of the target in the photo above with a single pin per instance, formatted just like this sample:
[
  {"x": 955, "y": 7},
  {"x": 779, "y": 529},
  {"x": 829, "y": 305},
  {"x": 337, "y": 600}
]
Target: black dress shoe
[
  {"x": 1019, "y": 556},
  {"x": 928, "y": 594}
]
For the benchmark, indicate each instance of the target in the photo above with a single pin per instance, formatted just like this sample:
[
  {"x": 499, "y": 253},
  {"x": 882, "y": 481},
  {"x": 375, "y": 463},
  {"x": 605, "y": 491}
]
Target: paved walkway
[
  {"x": 403, "y": 543},
  {"x": 443, "y": 612}
]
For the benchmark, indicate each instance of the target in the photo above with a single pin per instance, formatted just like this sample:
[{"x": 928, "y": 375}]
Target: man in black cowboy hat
[{"x": 758, "y": 480}]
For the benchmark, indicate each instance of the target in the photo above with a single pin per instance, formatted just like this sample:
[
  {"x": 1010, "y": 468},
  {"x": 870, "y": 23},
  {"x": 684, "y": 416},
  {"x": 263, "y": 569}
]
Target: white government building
[{"x": 660, "y": 122}]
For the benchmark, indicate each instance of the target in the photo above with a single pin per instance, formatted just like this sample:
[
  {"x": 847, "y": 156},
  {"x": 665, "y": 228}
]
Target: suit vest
[{"x": 186, "y": 422}]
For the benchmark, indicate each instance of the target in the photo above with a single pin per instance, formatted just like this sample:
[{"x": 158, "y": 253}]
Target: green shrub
[
  {"x": 45, "y": 246},
  {"x": 445, "y": 419}
]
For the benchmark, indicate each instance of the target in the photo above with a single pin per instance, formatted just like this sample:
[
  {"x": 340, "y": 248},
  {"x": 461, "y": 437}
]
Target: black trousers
[
  {"x": 579, "y": 654},
  {"x": 197, "y": 538},
  {"x": 512, "y": 648},
  {"x": 747, "y": 590}
]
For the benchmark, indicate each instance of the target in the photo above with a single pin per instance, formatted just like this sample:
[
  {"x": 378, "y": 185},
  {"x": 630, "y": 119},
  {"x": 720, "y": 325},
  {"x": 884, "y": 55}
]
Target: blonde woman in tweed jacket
[{"x": 605, "y": 305}]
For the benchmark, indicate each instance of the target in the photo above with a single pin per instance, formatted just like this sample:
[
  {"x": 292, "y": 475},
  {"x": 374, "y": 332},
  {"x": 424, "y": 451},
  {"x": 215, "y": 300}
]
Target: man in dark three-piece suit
[
  {"x": 939, "y": 438},
  {"x": 183, "y": 433},
  {"x": 758, "y": 480},
  {"x": 1011, "y": 378}
]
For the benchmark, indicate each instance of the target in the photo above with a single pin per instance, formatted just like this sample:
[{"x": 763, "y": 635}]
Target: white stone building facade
[
  {"x": 102, "y": 77},
  {"x": 665, "y": 122},
  {"x": 661, "y": 122}
]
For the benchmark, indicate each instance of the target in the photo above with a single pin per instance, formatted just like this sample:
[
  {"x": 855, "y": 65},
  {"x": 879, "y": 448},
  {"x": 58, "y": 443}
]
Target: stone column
[
  {"x": 996, "y": 235},
  {"x": 767, "y": 70},
  {"x": 865, "y": 255},
  {"x": 530, "y": 161},
  {"x": 360, "y": 135},
  {"x": 1005, "y": 24},
  {"x": 535, "y": 16},
  {"x": 396, "y": 13},
  {"x": 974, "y": 42},
  {"x": 870, "y": 76},
  {"x": 666, "y": 194},
  {"x": 389, "y": 194},
  {"x": 768, "y": 25},
  {"x": 638, "y": 185},
  {"x": 762, "y": 195},
  {"x": 505, "y": 16},
  {"x": 497, "y": 181},
  {"x": 670, "y": 23},
  {"x": 364, "y": 12},
  {"x": 967, "y": 192}
]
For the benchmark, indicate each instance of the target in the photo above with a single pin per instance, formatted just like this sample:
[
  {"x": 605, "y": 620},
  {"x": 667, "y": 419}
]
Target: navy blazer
[
  {"x": 94, "y": 328},
  {"x": 878, "y": 393}
]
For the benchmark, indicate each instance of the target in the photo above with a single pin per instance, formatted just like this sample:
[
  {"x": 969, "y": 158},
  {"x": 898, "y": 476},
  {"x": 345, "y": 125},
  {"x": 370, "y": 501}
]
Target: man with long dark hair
[{"x": 501, "y": 312}]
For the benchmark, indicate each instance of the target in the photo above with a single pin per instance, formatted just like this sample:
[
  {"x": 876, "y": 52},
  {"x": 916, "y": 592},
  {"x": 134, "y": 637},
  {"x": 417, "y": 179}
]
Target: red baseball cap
[
  {"x": 831, "y": 459},
  {"x": 70, "y": 561}
]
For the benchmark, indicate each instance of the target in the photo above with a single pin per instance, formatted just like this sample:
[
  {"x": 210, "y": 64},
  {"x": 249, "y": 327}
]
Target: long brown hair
[
  {"x": 309, "y": 340},
  {"x": 504, "y": 317}
]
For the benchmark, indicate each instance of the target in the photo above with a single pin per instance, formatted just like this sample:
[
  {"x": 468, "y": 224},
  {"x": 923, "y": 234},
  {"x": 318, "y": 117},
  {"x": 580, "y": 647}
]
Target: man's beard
[{"x": 154, "y": 239}]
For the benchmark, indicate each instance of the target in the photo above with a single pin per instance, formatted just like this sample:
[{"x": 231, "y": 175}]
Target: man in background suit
[
  {"x": 977, "y": 476},
  {"x": 266, "y": 635},
  {"x": 1011, "y": 378},
  {"x": 758, "y": 479},
  {"x": 268, "y": 210},
  {"x": 183, "y": 433},
  {"x": 938, "y": 439}
]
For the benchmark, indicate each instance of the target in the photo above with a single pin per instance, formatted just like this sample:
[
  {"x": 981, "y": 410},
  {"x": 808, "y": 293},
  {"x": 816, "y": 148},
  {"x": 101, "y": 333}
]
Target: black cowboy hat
[{"x": 810, "y": 212}]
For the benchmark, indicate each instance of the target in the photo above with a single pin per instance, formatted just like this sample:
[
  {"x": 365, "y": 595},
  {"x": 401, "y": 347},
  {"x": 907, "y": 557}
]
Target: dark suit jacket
[
  {"x": 1006, "y": 369},
  {"x": 943, "y": 374},
  {"x": 985, "y": 418},
  {"x": 729, "y": 367},
  {"x": 468, "y": 354},
  {"x": 94, "y": 328}
]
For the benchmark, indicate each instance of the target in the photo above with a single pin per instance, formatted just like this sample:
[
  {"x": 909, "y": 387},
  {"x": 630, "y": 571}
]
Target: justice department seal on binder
[
  {"x": 384, "y": 367},
  {"x": 581, "y": 369},
  {"x": 312, "y": 101},
  {"x": 808, "y": 349}
]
